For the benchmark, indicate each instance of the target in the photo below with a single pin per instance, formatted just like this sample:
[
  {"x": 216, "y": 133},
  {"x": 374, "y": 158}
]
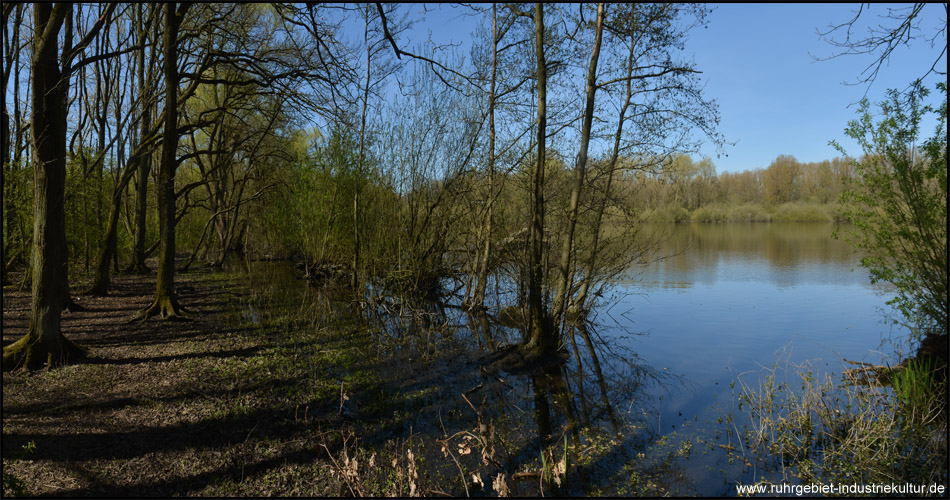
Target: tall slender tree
[
  {"x": 145, "y": 84},
  {"x": 540, "y": 334},
  {"x": 567, "y": 245},
  {"x": 166, "y": 302}
]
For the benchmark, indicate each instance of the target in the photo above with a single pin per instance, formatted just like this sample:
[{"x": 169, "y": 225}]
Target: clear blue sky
[{"x": 774, "y": 98}]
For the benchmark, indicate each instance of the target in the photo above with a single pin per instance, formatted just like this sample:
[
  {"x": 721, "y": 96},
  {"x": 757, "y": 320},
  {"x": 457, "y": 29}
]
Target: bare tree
[
  {"x": 567, "y": 245},
  {"x": 900, "y": 26},
  {"x": 541, "y": 333}
]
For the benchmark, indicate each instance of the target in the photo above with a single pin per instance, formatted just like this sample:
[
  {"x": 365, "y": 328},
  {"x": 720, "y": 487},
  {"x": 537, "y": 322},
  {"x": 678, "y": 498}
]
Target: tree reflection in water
[{"x": 448, "y": 385}]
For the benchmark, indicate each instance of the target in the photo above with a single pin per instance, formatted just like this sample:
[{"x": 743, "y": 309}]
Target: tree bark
[
  {"x": 144, "y": 162},
  {"x": 579, "y": 300},
  {"x": 166, "y": 302},
  {"x": 44, "y": 343},
  {"x": 540, "y": 334},
  {"x": 359, "y": 161},
  {"x": 9, "y": 197},
  {"x": 567, "y": 247},
  {"x": 481, "y": 278}
]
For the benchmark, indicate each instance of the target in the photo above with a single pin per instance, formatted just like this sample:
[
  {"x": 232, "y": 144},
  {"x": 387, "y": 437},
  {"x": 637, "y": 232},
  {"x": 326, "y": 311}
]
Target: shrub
[
  {"x": 669, "y": 213},
  {"x": 898, "y": 205},
  {"x": 800, "y": 212},
  {"x": 845, "y": 432}
]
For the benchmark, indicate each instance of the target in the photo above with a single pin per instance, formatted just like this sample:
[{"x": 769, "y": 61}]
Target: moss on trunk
[
  {"x": 166, "y": 307},
  {"x": 34, "y": 351}
]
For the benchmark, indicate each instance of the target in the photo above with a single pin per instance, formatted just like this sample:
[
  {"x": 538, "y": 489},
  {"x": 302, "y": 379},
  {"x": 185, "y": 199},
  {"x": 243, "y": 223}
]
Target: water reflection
[
  {"x": 725, "y": 297},
  {"x": 448, "y": 373},
  {"x": 787, "y": 254}
]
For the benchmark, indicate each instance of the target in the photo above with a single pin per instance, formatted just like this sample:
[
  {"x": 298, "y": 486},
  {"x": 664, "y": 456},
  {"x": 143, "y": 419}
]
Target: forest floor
[
  {"x": 265, "y": 394},
  {"x": 164, "y": 408}
]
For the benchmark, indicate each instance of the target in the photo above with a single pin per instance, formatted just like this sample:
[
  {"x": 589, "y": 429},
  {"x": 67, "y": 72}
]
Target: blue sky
[{"x": 774, "y": 98}]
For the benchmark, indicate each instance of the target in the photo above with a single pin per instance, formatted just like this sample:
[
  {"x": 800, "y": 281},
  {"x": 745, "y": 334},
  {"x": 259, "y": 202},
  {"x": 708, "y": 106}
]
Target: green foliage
[
  {"x": 782, "y": 179},
  {"x": 788, "y": 191},
  {"x": 13, "y": 486},
  {"x": 311, "y": 215},
  {"x": 749, "y": 213},
  {"x": 898, "y": 204},
  {"x": 17, "y": 211},
  {"x": 809, "y": 426},
  {"x": 89, "y": 188},
  {"x": 717, "y": 213},
  {"x": 668, "y": 214},
  {"x": 915, "y": 384},
  {"x": 800, "y": 212}
]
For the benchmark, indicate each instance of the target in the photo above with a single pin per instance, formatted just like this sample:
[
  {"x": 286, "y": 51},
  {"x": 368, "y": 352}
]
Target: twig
[{"x": 438, "y": 492}]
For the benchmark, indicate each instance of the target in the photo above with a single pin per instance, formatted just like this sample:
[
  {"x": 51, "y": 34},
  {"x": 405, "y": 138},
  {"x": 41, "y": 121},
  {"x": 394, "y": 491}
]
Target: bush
[
  {"x": 750, "y": 213},
  {"x": 800, "y": 212},
  {"x": 898, "y": 205},
  {"x": 845, "y": 432},
  {"x": 712, "y": 213},
  {"x": 669, "y": 213}
]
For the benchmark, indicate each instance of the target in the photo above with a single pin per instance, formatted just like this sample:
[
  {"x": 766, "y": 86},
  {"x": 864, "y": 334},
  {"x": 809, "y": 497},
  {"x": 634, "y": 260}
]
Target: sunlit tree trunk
[
  {"x": 144, "y": 161},
  {"x": 564, "y": 285},
  {"x": 359, "y": 161},
  {"x": 580, "y": 298},
  {"x": 9, "y": 205},
  {"x": 481, "y": 279}
]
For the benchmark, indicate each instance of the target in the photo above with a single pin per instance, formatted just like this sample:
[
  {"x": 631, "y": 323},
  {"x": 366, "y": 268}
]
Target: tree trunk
[
  {"x": 166, "y": 302},
  {"x": 144, "y": 161},
  {"x": 540, "y": 334},
  {"x": 578, "y": 302},
  {"x": 107, "y": 253},
  {"x": 359, "y": 162},
  {"x": 567, "y": 247},
  {"x": 44, "y": 342},
  {"x": 9, "y": 203},
  {"x": 481, "y": 278}
]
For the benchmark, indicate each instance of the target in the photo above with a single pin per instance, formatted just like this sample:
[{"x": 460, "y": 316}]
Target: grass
[
  {"x": 808, "y": 428},
  {"x": 748, "y": 212}
]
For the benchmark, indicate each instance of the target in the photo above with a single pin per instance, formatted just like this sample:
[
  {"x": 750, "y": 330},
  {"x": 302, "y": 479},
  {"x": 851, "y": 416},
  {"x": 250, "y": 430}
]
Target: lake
[
  {"x": 644, "y": 384},
  {"x": 734, "y": 298}
]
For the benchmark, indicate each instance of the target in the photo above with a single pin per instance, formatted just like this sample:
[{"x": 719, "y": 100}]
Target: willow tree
[{"x": 44, "y": 342}]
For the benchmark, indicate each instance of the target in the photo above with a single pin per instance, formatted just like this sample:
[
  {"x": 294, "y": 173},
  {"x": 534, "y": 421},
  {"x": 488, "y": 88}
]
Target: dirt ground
[{"x": 155, "y": 410}]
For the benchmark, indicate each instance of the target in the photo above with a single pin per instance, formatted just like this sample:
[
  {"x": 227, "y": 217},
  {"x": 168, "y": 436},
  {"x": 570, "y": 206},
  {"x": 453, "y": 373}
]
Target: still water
[
  {"x": 733, "y": 298},
  {"x": 650, "y": 375}
]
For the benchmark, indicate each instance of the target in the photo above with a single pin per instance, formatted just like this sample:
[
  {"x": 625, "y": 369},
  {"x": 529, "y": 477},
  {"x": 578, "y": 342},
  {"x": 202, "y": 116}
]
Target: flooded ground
[{"x": 638, "y": 406}]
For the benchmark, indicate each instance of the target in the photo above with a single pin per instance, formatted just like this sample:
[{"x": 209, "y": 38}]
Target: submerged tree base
[{"x": 520, "y": 358}]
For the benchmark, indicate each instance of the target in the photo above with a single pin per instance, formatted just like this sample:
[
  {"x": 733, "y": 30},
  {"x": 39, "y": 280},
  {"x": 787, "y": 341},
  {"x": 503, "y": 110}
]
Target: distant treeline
[{"x": 682, "y": 189}]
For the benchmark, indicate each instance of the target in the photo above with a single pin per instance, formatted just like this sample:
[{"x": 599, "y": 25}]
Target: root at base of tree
[
  {"x": 29, "y": 352},
  {"x": 167, "y": 308}
]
